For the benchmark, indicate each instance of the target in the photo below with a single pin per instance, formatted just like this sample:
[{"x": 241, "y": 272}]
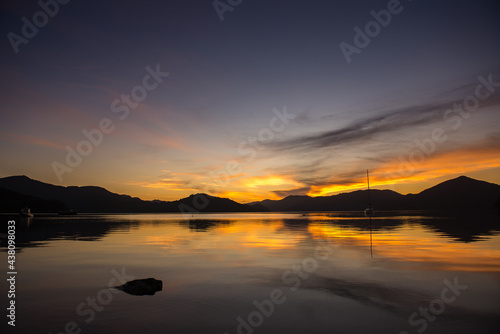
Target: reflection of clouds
[
  {"x": 165, "y": 242},
  {"x": 397, "y": 300},
  {"x": 269, "y": 243},
  {"x": 414, "y": 248},
  {"x": 267, "y": 235},
  {"x": 218, "y": 234},
  {"x": 378, "y": 295},
  {"x": 411, "y": 242}
]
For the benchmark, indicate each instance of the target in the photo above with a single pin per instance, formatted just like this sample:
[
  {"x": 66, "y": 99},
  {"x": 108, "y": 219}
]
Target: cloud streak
[
  {"x": 30, "y": 140},
  {"x": 387, "y": 122}
]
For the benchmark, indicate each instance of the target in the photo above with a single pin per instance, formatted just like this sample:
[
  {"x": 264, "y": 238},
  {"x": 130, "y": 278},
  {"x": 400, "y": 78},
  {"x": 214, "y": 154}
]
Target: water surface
[{"x": 260, "y": 273}]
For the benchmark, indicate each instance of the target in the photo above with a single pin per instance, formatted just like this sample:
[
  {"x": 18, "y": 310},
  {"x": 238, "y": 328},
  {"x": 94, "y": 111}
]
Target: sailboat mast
[{"x": 369, "y": 195}]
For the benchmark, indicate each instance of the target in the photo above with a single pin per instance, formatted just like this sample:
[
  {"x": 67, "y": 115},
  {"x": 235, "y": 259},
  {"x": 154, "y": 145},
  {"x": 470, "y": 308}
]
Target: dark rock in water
[{"x": 141, "y": 287}]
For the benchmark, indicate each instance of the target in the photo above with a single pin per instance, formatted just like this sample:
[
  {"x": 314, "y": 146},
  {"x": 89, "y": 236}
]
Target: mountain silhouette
[
  {"x": 462, "y": 193},
  {"x": 91, "y": 199},
  {"x": 11, "y": 199},
  {"x": 353, "y": 201}
]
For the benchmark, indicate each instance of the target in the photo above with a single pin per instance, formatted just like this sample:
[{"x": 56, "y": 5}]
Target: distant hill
[
  {"x": 462, "y": 193},
  {"x": 11, "y": 200},
  {"x": 353, "y": 201},
  {"x": 92, "y": 199},
  {"x": 207, "y": 203}
]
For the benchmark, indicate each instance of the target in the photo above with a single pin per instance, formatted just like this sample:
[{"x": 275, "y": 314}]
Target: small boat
[
  {"x": 369, "y": 210},
  {"x": 26, "y": 212}
]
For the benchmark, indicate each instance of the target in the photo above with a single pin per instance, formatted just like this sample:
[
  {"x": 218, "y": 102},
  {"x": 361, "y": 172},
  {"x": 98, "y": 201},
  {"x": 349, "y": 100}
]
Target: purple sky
[{"x": 228, "y": 81}]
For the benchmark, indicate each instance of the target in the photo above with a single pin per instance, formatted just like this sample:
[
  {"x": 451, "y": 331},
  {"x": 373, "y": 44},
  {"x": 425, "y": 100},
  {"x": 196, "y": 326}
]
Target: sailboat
[
  {"x": 26, "y": 212},
  {"x": 369, "y": 210}
]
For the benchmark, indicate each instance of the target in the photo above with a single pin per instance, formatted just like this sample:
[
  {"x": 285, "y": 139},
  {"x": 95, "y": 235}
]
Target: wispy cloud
[
  {"x": 366, "y": 129},
  {"x": 481, "y": 155},
  {"x": 30, "y": 140},
  {"x": 293, "y": 192},
  {"x": 388, "y": 121}
]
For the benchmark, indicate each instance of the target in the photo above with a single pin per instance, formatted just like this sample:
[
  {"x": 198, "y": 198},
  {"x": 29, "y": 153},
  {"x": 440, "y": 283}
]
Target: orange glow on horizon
[
  {"x": 246, "y": 197},
  {"x": 275, "y": 180},
  {"x": 395, "y": 175},
  {"x": 396, "y": 172}
]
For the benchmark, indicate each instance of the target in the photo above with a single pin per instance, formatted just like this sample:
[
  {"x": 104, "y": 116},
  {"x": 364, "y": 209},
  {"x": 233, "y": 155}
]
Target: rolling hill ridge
[{"x": 462, "y": 193}]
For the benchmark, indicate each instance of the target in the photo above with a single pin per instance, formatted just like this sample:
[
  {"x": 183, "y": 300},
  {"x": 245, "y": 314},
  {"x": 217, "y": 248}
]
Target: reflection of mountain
[
  {"x": 33, "y": 232},
  {"x": 462, "y": 193},
  {"x": 204, "y": 225},
  {"x": 100, "y": 200},
  {"x": 38, "y": 231},
  {"x": 298, "y": 225},
  {"x": 465, "y": 227}
]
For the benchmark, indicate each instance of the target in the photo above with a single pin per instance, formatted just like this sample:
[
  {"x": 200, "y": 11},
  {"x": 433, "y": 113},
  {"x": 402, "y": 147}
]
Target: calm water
[{"x": 259, "y": 273}]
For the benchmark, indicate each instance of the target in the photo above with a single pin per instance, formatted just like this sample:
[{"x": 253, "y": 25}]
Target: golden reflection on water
[
  {"x": 408, "y": 245},
  {"x": 218, "y": 264},
  {"x": 234, "y": 237},
  {"x": 417, "y": 248}
]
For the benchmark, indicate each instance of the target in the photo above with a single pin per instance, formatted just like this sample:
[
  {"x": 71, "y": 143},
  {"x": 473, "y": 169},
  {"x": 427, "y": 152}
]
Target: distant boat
[
  {"x": 369, "y": 210},
  {"x": 67, "y": 213},
  {"x": 26, "y": 212}
]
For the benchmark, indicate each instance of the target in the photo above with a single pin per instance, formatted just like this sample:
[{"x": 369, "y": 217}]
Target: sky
[{"x": 249, "y": 99}]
